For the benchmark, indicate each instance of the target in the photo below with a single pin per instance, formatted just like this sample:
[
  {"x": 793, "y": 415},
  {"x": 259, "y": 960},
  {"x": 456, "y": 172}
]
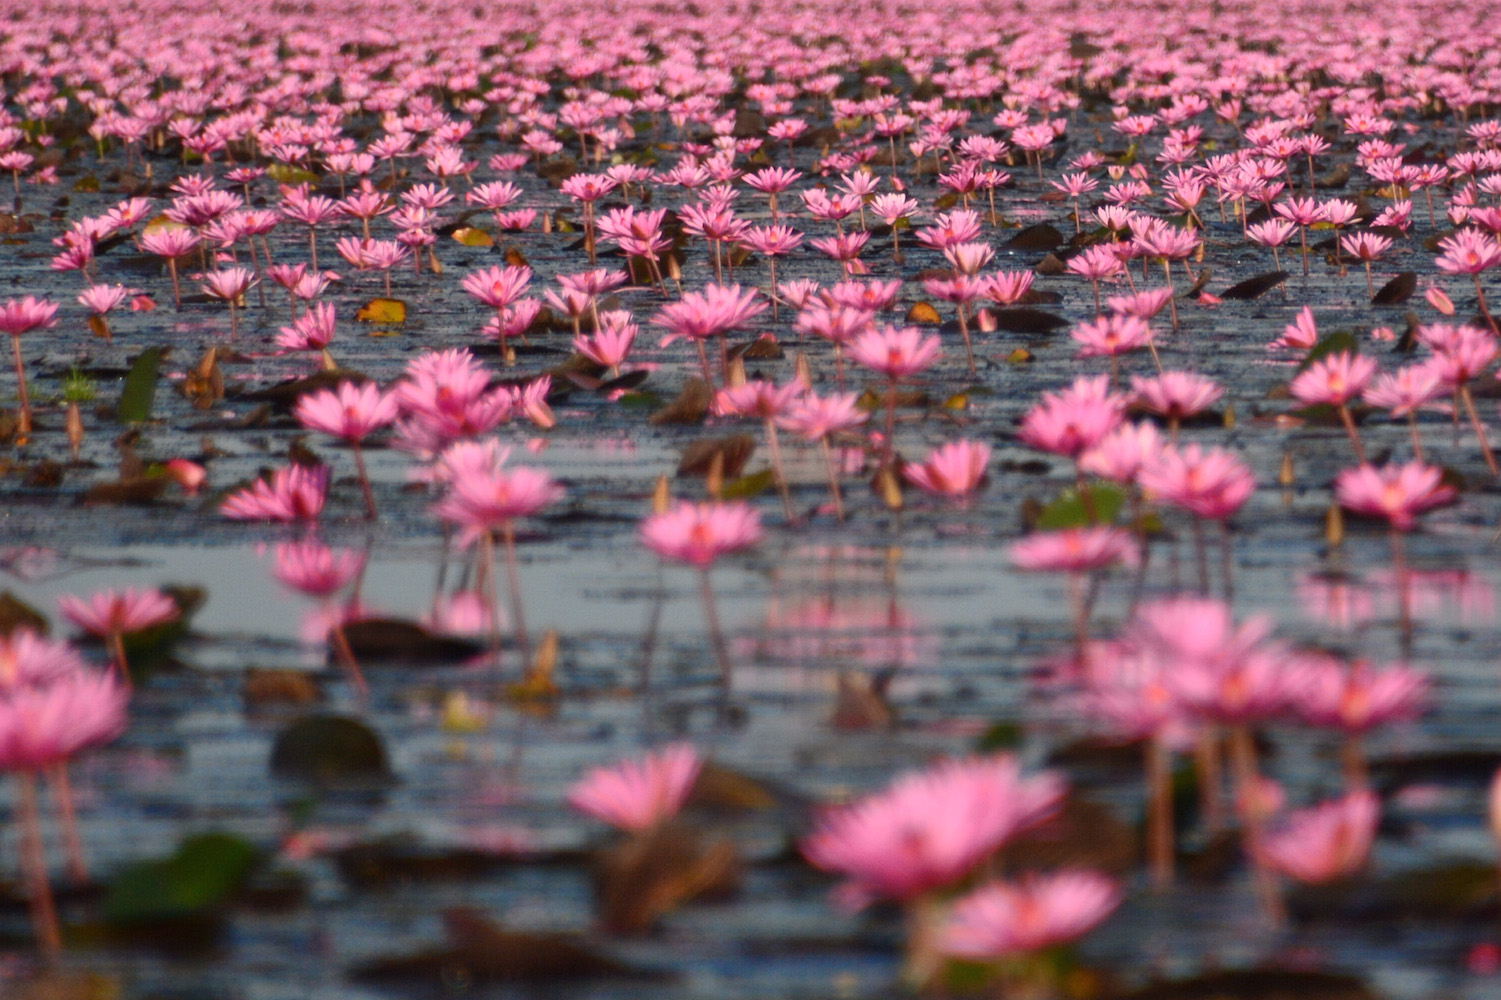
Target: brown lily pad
[
  {"x": 733, "y": 451},
  {"x": 690, "y": 406},
  {"x": 481, "y": 952},
  {"x": 1256, "y": 984},
  {"x": 1253, "y": 288},
  {"x": 1396, "y": 291},
  {"x": 398, "y": 639}
]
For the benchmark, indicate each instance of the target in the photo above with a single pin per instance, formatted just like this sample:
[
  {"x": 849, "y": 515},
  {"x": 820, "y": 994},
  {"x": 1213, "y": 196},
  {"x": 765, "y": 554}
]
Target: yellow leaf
[
  {"x": 1020, "y": 356},
  {"x": 958, "y": 401},
  {"x": 923, "y": 312},
  {"x": 471, "y": 237},
  {"x": 383, "y": 311},
  {"x": 515, "y": 258}
]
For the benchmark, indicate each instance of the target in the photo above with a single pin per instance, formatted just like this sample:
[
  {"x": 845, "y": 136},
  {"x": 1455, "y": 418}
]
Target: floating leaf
[
  {"x": 330, "y": 750},
  {"x": 1256, "y": 287},
  {"x": 383, "y": 311},
  {"x": 1020, "y": 356},
  {"x": 923, "y": 312},
  {"x": 469, "y": 236},
  {"x": 749, "y": 486},
  {"x": 139, "y": 394},
  {"x": 734, "y": 451},
  {"x": 88, "y": 183},
  {"x": 131, "y": 490},
  {"x": 285, "y": 173},
  {"x": 1021, "y": 319},
  {"x": 16, "y": 613},
  {"x": 1340, "y": 340},
  {"x": 1256, "y": 984},
  {"x": 1070, "y": 510},
  {"x": 1396, "y": 291},
  {"x": 284, "y": 395},
  {"x": 480, "y": 952},
  {"x": 201, "y": 875},
  {"x": 1040, "y": 236},
  {"x": 690, "y": 406},
  {"x": 397, "y": 639}
]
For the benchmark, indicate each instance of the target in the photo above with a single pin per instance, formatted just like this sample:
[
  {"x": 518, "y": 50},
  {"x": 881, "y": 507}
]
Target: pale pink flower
[
  {"x": 930, "y": 828},
  {"x": 636, "y": 795},
  {"x": 1017, "y": 918},
  {"x": 699, "y": 533},
  {"x": 955, "y": 469},
  {"x": 111, "y": 612},
  {"x": 1327, "y": 842}
]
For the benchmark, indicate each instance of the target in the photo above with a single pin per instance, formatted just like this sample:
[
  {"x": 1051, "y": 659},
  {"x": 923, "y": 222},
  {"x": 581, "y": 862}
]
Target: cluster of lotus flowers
[{"x": 764, "y": 149}]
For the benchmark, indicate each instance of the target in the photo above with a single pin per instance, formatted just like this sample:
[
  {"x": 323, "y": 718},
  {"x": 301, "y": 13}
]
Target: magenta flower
[
  {"x": 930, "y": 828},
  {"x": 1359, "y": 697},
  {"x": 1075, "y": 550},
  {"x": 111, "y": 612},
  {"x": 294, "y": 493},
  {"x": 1327, "y": 842},
  {"x": 44, "y": 724},
  {"x": 699, "y": 533},
  {"x": 636, "y": 795},
  {"x": 1073, "y": 420},
  {"x": 955, "y": 469},
  {"x": 350, "y": 412},
  {"x": 1397, "y": 493},
  {"x": 1004, "y": 919},
  {"x": 29, "y": 658},
  {"x": 1211, "y": 483}
]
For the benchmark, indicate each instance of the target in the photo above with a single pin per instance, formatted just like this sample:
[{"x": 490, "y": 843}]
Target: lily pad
[{"x": 330, "y": 750}]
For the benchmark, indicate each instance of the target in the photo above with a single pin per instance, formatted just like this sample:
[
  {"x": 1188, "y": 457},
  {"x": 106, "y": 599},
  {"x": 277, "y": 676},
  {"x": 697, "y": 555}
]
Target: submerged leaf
[
  {"x": 330, "y": 750},
  {"x": 1396, "y": 291},
  {"x": 1071, "y": 510}
]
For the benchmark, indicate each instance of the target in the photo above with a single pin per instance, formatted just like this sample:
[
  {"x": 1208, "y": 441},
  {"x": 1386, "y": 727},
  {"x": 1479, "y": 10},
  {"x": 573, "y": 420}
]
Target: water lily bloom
[
  {"x": 294, "y": 493},
  {"x": 929, "y": 828},
  {"x": 350, "y": 412},
  {"x": 482, "y": 500},
  {"x": 17, "y": 317},
  {"x": 1120, "y": 455},
  {"x": 1176, "y": 395},
  {"x": 955, "y": 469},
  {"x": 44, "y": 724},
  {"x": 312, "y": 568},
  {"x": 699, "y": 533},
  {"x": 29, "y": 658},
  {"x": 1210, "y": 483},
  {"x": 1358, "y": 697},
  {"x": 1074, "y": 550},
  {"x": 1017, "y": 918},
  {"x": 636, "y": 795},
  {"x": 1075, "y": 419},
  {"x": 1398, "y": 493},
  {"x": 895, "y": 352},
  {"x": 1327, "y": 842},
  {"x": 1334, "y": 380},
  {"x": 111, "y": 612}
]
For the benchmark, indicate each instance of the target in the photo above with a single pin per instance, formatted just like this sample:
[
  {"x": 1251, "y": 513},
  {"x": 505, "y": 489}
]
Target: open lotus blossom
[
  {"x": 1075, "y": 419},
  {"x": 293, "y": 493},
  {"x": 21, "y": 316},
  {"x": 111, "y": 615},
  {"x": 955, "y": 469},
  {"x": 27, "y": 657},
  {"x": 1003, "y": 919},
  {"x": 351, "y": 412},
  {"x": 1397, "y": 493},
  {"x": 930, "y": 828},
  {"x": 699, "y": 533},
  {"x": 636, "y": 795},
  {"x": 1324, "y": 843},
  {"x": 1075, "y": 550}
]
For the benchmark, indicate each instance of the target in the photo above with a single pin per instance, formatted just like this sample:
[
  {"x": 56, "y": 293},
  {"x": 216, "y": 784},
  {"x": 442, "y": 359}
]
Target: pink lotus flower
[
  {"x": 955, "y": 469},
  {"x": 44, "y": 724},
  {"x": 1325, "y": 843},
  {"x": 1213, "y": 484},
  {"x": 699, "y": 533},
  {"x": 1075, "y": 550},
  {"x": 896, "y": 352},
  {"x": 111, "y": 612},
  {"x": 930, "y": 828},
  {"x": 1005, "y": 918},
  {"x": 314, "y": 569},
  {"x": 294, "y": 493},
  {"x": 1397, "y": 493},
  {"x": 636, "y": 795},
  {"x": 1359, "y": 697},
  {"x": 350, "y": 412},
  {"x": 1075, "y": 419},
  {"x": 29, "y": 658}
]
